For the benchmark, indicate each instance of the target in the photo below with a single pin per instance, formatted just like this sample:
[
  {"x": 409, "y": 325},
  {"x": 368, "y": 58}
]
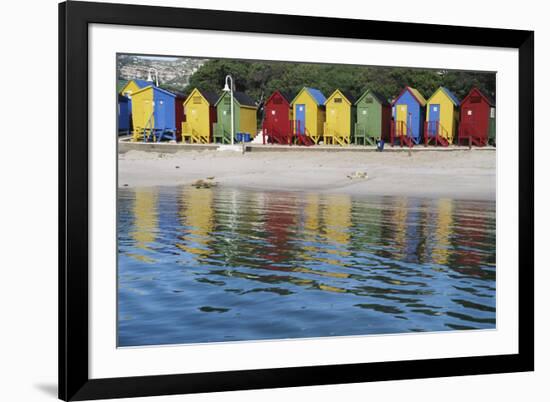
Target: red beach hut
[
  {"x": 477, "y": 117},
  {"x": 277, "y": 124},
  {"x": 180, "y": 113}
]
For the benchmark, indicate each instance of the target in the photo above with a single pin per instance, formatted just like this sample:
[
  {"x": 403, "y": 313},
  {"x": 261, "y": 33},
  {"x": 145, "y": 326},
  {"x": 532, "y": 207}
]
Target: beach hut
[
  {"x": 277, "y": 127},
  {"x": 340, "y": 118},
  {"x": 408, "y": 111},
  {"x": 123, "y": 115},
  {"x": 125, "y": 104},
  {"x": 200, "y": 116},
  {"x": 308, "y": 108},
  {"x": 153, "y": 114},
  {"x": 477, "y": 119},
  {"x": 373, "y": 119},
  {"x": 179, "y": 113},
  {"x": 245, "y": 123},
  {"x": 441, "y": 117}
]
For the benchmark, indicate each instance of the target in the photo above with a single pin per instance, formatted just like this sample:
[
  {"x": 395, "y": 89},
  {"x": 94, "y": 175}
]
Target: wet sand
[{"x": 452, "y": 174}]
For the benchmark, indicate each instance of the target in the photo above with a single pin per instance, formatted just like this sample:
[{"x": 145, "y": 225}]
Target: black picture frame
[{"x": 74, "y": 381}]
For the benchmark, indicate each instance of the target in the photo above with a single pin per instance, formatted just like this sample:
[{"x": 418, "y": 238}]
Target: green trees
[{"x": 259, "y": 79}]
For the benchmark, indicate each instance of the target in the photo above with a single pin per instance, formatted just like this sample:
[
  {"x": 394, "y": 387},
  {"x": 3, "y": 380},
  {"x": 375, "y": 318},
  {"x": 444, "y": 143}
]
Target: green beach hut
[
  {"x": 245, "y": 117},
  {"x": 373, "y": 118}
]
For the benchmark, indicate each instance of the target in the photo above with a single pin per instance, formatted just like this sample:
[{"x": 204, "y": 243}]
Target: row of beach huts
[{"x": 150, "y": 113}]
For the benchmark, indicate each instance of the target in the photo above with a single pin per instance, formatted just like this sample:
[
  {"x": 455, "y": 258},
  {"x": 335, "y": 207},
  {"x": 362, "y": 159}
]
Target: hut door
[
  {"x": 402, "y": 113},
  {"x": 433, "y": 126},
  {"x": 300, "y": 118},
  {"x": 362, "y": 119},
  {"x": 401, "y": 119},
  {"x": 160, "y": 114}
]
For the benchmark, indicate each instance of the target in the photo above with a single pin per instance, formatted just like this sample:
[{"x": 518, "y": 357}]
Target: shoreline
[{"x": 468, "y": 175}]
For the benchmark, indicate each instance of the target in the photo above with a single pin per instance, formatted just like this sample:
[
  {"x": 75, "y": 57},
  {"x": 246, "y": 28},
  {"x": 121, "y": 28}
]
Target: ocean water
[{"x": 220, "y": 264}]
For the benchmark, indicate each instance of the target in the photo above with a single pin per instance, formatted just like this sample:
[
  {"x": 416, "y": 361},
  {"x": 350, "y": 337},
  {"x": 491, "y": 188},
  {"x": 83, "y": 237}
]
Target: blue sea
[{"x": 223, "y": 264}]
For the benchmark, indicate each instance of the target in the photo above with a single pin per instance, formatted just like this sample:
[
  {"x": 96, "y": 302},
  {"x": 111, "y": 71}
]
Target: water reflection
[{"x": 208, "y": 265}]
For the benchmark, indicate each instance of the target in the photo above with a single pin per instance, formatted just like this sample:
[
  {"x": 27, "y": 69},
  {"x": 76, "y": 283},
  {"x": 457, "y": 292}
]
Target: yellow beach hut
[
  {"x": 200, "y": 113},
  {"x": 441, "y": 117},
  {"x": 308, "y": 108},
  {"x": 125, "y": 103},
  {"x": 340, "y": 118}
]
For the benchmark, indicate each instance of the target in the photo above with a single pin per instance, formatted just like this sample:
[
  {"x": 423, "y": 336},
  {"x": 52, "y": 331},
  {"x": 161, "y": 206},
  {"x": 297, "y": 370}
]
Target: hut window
[
  {"x": 475, "y": 99},
  {"x": 492, "y": 113},
  {"x": 368, "y": 100},
  {"x": 337, "y": 100},
  {"x": 227, "y": 101},
  {"x": 197, "y": 99}
]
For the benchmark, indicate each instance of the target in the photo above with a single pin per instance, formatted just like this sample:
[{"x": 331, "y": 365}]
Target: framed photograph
[{"x": 258, "y": 200}]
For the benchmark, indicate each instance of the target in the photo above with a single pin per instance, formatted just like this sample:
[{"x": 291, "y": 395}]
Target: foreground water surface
[{"x": 214, "y": 265}]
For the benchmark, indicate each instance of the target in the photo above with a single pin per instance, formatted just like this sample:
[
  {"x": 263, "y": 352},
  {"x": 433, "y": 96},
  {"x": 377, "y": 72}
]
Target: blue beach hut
[
  {"x": 123, "y": 115},
  {"x": 408, "y": 112},
  {"x": 154, "y": 114}
]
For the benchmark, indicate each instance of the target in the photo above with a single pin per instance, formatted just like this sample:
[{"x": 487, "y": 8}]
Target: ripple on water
[{"x": 215, "y": 265}]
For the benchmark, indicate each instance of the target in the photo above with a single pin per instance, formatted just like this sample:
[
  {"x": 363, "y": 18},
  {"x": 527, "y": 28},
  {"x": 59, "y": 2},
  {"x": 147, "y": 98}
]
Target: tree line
[{"x": 260, "y": 78}]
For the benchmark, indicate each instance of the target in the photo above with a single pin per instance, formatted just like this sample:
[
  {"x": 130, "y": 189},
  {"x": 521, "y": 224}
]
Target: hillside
[{"x": 174, "y": 73}]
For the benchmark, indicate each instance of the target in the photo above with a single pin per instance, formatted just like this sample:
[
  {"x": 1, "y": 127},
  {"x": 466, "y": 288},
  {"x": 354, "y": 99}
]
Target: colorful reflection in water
[{"x": 212, "y": 265}]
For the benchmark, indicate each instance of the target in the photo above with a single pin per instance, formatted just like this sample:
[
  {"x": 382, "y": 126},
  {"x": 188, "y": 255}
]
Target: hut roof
[
  {"x": 316, "y": 95},
  {"x": 489, "y": 99},
  {"x": 346, "y": 94},
  {"x": 244, "y": 99},
  {"x": 415, "y": 93},
  {"x": 155, "y": 89},
  {"x": 287, "y": 95},
  {"x": 241, "y": 98},
  {"x": 210, "y": 96},
  {"x": 376, "y": 95},
  {"x": 449, "y": 94},
  {"x": 380, "y": 98},
  {"x": 349, "y": 96},
  {"x": 142, "y": 83}
]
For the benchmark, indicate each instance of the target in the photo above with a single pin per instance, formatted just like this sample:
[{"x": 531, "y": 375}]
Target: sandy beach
[{"x": 450, "y": 174}]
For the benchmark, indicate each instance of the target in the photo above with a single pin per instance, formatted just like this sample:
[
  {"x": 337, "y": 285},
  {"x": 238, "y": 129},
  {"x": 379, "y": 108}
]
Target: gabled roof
[
  {"x": 140, "y": 84},
  {"x": 487, "y": 98},
  {"x": 154, "y": 89},
  {"x": 244, "y": 99},
  {"x": 241, "y": 98},
  {"x": 315, "y": 94},
  {"x": 449, "y": 95},
  {"x": 143, "y": 83},
  {"x": 286, "y": 96},
  {"x": 346, "y": 94},
  {"x": 211, "y": 97},
  {"x": 379, "y": 97},
  {"x": 415, "y": 93}
]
